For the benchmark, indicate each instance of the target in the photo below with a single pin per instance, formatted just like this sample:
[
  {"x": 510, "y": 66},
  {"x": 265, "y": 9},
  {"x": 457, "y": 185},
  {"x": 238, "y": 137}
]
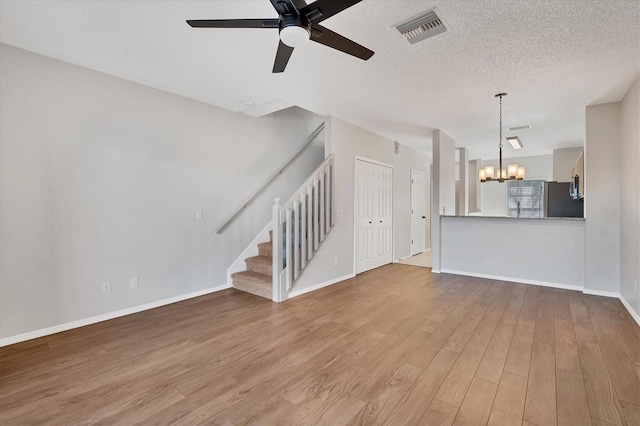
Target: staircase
[
  {"x": 295, "y": 233},
  {"x": 258, "y": 278}
]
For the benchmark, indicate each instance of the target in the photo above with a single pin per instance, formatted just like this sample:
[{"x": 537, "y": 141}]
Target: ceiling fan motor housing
[{"x": 295, "y": 31}]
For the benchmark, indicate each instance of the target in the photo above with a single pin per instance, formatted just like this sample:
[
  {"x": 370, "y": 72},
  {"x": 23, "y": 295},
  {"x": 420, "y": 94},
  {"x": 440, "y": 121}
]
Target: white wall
[
  {"x": 494, "y": 194},
  {"x": 536, "y": 251},
  {"x": 602, "y": 198},
  {"x": 100, "y": 181},
  {"x": 563, "y": 161},
  {"x": 347, "y": 141},
  {"x": 630, "y": 197}
]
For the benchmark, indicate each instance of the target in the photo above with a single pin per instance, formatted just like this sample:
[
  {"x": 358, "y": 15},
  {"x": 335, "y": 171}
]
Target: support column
[{"x": 444, "y": 188}]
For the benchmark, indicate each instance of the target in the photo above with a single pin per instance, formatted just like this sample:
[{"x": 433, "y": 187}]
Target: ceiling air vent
[{"x": 422, "y": 26}]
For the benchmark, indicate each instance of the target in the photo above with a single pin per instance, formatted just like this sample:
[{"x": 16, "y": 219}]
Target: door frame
[
  {"x": 393, "y": 207},
  {"x": 424, "y": 237}
]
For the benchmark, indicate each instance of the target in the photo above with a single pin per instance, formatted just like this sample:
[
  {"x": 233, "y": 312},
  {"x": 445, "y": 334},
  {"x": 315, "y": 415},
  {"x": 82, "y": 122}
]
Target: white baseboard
[
  {"x": 435, "y": 271},
  {"x": 309, "y": 289},
  {"x": 601, "y": 293},
  {"x": 515, "y": 280},
  {"x": 104, "y": 317},
  {"x": 633, "y": 313}
]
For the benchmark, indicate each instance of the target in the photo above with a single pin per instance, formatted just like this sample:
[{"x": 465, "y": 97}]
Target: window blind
[{"x": 529, "y": 193}]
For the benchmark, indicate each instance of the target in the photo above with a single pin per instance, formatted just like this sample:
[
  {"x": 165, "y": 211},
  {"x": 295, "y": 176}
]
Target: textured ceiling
[{"x": 552, "y": 57}]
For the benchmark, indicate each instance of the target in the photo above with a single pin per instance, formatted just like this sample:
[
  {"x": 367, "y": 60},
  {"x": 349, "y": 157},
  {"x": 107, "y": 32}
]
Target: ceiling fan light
[
  {"x": 515, "y": 142},
  {"x": 294, "y": 35}
]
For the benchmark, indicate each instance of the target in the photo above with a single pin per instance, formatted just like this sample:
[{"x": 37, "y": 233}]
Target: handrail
[{"x": 308, "y": 141}]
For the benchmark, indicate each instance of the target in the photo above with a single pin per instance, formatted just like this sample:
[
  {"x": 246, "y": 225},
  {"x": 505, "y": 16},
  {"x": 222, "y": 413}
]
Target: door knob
[
  {"x": 424, "y": 217},
  {"x": 380, "y": 221},
  {"x": 369, "y": 221}
]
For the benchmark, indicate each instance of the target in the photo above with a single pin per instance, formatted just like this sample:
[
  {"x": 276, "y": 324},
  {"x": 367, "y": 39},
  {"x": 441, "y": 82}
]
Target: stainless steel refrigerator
[{"x": 558, "y": 201}]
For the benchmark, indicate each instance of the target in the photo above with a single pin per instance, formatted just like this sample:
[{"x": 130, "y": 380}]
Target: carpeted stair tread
[
  {"x": 254, "y": 283},
  {"x": 260, "y": 264}
]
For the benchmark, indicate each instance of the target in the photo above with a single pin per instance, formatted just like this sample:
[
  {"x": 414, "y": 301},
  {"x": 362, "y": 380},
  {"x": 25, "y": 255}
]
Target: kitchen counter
[{"x": 578, "y": 219}]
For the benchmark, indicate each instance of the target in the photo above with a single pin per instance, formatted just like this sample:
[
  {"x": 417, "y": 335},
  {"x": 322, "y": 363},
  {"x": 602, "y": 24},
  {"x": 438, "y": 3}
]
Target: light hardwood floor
[{"x": 396, "y": 345}]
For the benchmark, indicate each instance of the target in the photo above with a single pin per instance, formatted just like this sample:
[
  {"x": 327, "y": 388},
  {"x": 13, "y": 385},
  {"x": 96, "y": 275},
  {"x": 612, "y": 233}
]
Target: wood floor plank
[
  {"x": 476, "y": 407},
  {"x": 519, "y": 355},
  {"x": 573, "y": 408},
  {"x": 418, "y": 399},
  {"x": 603, "y": 402},
  {"x": 388, "y": 366},
  {"x": 492, "y": 363},
  {"x": 342, "y": 412},
  {"x": 456, "y": 384},
  {"x": 620, "y": 368},
  {"x": 429, "y": 349},
  {"x": 459, "y": 378},
  {"x": 566, "y": 348},
  {"x": 438, "y": 413},
  {"x": 385, "y": 401},
  {"x": 540, "y": 404},
  {"x": 508, "y": 407},
  {"x": 631, "y": 413},
  {"x": 234, "y": 358},
  {"x": 461, "y": 336}
]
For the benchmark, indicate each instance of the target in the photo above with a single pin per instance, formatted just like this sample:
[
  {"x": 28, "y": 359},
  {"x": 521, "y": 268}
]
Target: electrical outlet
[
  {"x": 480, "y": 257},
  {"x": 199, "y": 214},
  {"x": 133, "y": 282},
  {"x": 336, "y": 261},
  {"x": 106, "y": 288}
]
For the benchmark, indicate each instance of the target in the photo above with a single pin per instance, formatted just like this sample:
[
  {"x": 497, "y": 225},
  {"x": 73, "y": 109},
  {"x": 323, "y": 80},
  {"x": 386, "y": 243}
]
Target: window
[{"x": 525, "y": 198}]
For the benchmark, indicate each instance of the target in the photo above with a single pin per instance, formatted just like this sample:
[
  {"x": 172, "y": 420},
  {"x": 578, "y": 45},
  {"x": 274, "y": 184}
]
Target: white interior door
[
  {"x": 374, "y": 215},
  {"x": 418, "y": 211}
]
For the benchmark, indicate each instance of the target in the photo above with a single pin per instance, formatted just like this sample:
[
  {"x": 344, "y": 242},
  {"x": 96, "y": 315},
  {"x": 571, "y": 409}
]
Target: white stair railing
[{"x": 300, "y": 226}]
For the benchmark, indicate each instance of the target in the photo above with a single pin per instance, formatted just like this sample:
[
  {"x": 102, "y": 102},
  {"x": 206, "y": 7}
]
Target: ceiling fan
[{"x": 298, "y": 23}]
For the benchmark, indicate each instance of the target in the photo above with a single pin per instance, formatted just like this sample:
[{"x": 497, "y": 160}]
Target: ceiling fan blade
[
  {"x": 326, "y": 8},
  {"x": 325, "y": 36},
  {"x": 233, "y": 23},
  {"x": 282, "y": 57}
]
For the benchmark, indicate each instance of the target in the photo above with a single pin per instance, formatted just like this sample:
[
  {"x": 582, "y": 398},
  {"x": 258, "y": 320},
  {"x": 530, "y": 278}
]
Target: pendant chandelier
[{"x": 513, "y": 171}]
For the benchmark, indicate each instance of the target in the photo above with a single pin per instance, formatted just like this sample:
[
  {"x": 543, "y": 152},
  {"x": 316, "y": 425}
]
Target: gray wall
[
  {"x": 602, "y": 198},
  {"x": 100, "y": 181},
  {"x": 534, "y": 251},
  {"x": 563, "y": 161},
  {"x": 630, "y": 197}
]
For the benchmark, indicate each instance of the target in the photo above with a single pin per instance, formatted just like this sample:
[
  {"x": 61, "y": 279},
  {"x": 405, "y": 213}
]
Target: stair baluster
[{"x": 299, "y": 228}]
